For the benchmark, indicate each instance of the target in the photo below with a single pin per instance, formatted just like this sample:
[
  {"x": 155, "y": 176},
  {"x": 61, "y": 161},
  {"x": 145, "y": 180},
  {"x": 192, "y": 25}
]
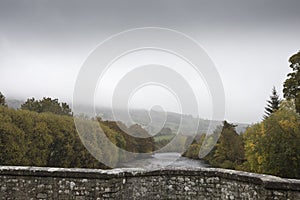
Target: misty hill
[
  {"x": 14, "y": 103},
  {"x": 154, "y": 120}
]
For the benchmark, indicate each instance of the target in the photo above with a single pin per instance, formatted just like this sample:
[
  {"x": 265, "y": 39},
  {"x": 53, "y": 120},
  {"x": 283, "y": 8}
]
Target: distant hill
[{"x": 155, "y": 120}]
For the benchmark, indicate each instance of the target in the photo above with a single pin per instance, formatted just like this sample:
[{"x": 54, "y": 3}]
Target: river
[{"x": 159, "y": 160}]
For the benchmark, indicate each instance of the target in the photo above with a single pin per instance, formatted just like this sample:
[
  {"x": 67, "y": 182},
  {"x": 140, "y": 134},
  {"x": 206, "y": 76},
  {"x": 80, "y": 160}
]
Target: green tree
[
  {"x": 253, "y": 148},
  {"x": 65, "y": 109},
  {"x": 2, "y": 100},
  {"x": 39, "y": 142},
  {"x": 291, "y": 85},
  {"x": 194, "y": 148},
  {"x": 12, "y": 142},
  {"x": 229, "y": 151},
  {"x": 272, "y": 104},
  {"x": 273, "y": 146},
  {"x": 47, "y": 139},
  {"x": 144, "y": 141},
  {"x": 47, "y": 105},
  {"x": 32, "y": 105}
]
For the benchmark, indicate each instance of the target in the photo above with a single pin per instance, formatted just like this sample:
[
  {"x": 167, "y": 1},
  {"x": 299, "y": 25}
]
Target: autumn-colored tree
[
  {"x": 44, "y": 139},
  {"x": 273, "y": 146}
]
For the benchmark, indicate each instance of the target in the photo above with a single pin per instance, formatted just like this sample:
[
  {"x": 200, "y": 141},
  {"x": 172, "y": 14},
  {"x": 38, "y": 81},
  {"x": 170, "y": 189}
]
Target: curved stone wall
[{"x": 169, "y": 183}]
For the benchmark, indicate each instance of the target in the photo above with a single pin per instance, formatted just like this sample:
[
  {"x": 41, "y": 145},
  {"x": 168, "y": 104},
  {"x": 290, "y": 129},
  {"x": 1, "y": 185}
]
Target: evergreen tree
[
  {"x": 47, "y": 105},
  {"x": 229, "y": 151},
  {"x": 273, "y": 103}
]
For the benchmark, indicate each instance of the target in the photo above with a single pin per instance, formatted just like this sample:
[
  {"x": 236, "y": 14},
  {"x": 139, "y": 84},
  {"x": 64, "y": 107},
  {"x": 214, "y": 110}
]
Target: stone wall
[{"x": 170, "y": 183}]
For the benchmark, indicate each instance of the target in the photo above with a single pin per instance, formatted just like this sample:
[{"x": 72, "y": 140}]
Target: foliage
[
  {"x": 291, "y": 85},
  {"x": 273, "y": 103},
  {"x": 178, "y": 143},
  {"x": 165, "y": 131},
  {"x": 273, "y": 146},
  {"x": 159, "y": 138},
  {"x": 2, "y": 100},
  {"x": 163, "y": 138},
  {"x": 47, "y": 105},
  {"x": 194, "y": 148},
  {"x": 229, "y": 151},
  {"x": 270, "y": 147},
  {"x": 137, "y": 139},
  {"x": 144, "y": 141},
  {"x": 47, "y": 139}
]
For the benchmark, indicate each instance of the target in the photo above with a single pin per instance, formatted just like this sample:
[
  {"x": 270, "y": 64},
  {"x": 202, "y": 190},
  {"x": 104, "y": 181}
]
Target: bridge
[{"x": 168, "y": 183}]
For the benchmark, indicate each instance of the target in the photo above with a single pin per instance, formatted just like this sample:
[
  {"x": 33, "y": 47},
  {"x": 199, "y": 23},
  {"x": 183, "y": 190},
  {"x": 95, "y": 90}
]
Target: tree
[
  {"x": 47, "y": 105},
  {"x": 39, "y": 141},
  {"x": 273, "y": 103},
  {"x": 273, "y": 146},
  {"x": 229, "y": 151},
  {"x": 194, "y": 148},
  {"x": 2, "y": 100},
  {"x": 32, "y": 105},
  {"x": 291, "y": 85}
]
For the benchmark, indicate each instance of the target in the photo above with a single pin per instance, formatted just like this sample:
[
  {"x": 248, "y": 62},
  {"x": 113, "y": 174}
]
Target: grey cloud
[{"x": 61, "y": 34}]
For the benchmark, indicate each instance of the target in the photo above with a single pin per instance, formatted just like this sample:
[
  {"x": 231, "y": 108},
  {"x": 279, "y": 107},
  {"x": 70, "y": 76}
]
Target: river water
[{"x": 159, "y": 160}]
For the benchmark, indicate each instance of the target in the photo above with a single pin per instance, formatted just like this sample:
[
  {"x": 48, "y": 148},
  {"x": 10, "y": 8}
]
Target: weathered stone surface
[{"x": 169, "y": 183}]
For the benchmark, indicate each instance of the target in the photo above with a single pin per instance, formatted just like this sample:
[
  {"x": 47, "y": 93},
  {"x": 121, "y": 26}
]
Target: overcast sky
[{"x": 44, "y": 43}]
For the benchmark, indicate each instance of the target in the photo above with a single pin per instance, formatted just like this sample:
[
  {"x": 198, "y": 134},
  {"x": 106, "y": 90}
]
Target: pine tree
[{"x": 272, "y": 104}]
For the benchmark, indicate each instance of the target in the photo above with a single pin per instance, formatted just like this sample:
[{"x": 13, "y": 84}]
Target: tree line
[
  {"x": 43, "y": 133},
  {"x": 271, "y": 146}
]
